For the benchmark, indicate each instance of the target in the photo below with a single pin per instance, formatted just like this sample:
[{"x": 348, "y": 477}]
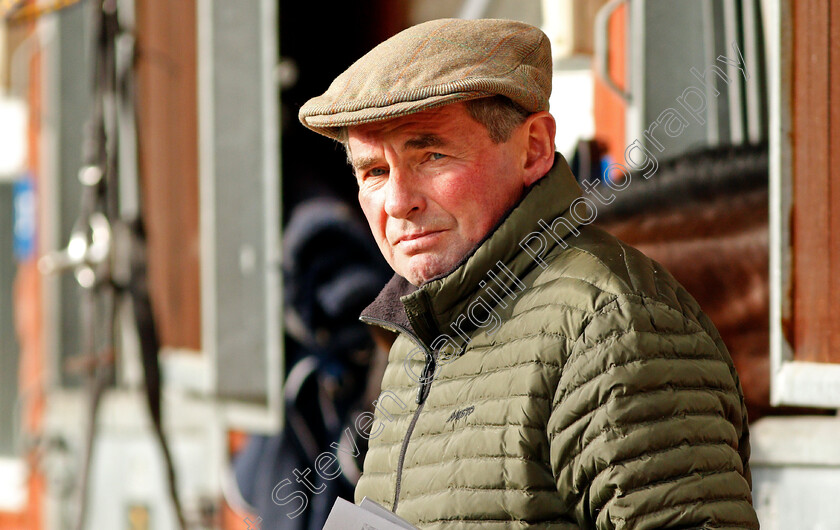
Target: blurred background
[{"x": 182, "y": 263}]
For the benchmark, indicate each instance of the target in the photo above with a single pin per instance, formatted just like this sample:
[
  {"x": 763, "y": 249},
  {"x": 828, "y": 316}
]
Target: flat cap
[{"x": 434, "y": 64}]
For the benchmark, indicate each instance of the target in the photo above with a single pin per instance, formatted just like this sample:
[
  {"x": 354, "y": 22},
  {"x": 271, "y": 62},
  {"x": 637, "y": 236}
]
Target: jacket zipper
[{"x": 422, "y": 393}]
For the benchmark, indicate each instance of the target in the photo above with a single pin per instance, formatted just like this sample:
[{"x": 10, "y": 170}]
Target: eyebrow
[
  {"x": 364, "y": 163},
  {"x": 422, "y": 141}
]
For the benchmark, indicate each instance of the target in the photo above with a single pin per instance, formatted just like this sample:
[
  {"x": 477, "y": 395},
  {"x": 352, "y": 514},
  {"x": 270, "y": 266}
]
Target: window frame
[{"x": 792, "y": 382}]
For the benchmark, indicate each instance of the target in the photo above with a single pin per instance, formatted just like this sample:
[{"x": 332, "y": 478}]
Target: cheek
[
  {"x": 477, "y": 198},
  {"x": 374, "y": 212}
]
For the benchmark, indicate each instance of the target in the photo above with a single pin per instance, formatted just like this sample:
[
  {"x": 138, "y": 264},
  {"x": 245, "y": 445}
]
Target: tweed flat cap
[{"x": 433, "y": 64}]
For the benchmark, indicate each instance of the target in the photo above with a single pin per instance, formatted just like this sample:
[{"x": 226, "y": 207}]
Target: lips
[
  {"x": 418, "y": 241},
  {"x": 416, "y": 235}
]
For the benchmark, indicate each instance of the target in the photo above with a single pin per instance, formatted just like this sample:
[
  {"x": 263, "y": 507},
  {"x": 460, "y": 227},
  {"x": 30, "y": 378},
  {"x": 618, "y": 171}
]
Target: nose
[{"x": 402, "y": 196}]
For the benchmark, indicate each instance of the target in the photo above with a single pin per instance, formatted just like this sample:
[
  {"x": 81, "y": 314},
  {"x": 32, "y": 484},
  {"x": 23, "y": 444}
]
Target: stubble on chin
[{"x": 419, "y": 272}]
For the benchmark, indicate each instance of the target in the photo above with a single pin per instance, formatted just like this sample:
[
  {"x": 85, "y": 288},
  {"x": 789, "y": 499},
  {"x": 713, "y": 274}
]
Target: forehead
[{"x": 447, "y": 122}]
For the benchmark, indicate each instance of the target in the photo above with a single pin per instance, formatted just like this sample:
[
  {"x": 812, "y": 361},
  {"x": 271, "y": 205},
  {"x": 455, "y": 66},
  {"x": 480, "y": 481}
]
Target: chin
[
  {"x": 418, "y": 276},
  {"x": 420, "y": 269}
]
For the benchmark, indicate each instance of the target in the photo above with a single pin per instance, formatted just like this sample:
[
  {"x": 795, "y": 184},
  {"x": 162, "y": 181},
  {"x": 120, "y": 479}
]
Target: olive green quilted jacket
[{"x": 557, "y": 378}]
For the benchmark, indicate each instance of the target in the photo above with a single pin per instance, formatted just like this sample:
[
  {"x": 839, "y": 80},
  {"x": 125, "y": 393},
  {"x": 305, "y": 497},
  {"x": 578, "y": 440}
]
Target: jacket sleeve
[{"x": 648, "y": 425}]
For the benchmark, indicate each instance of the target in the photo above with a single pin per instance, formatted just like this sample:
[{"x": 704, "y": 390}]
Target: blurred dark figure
[{"x": 332, "y": 270}]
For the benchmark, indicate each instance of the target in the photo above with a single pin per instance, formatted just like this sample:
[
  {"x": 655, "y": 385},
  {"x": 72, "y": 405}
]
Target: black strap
[{"x": 149, "y": 347}]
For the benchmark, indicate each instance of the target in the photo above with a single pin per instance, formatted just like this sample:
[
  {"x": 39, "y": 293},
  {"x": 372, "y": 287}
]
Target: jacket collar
[{"x": 437, "y": 312}]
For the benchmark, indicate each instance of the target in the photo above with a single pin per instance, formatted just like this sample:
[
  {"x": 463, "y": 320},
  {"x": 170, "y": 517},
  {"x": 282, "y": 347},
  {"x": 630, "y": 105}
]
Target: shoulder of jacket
[{"x": 598, "y": 265}]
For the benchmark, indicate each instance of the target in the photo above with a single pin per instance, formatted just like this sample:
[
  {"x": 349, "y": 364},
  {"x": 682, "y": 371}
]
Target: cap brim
[{"x": 331, "y": 124}]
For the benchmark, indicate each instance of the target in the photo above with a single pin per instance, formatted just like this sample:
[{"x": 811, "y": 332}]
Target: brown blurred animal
[{"x": 704, "y": 217}]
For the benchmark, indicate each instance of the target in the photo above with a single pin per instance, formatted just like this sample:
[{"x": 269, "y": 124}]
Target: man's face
[{"x": 432, "y": 185}]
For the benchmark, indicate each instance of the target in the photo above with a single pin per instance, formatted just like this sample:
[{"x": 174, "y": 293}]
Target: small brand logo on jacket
[{"x": 460, "y": 414}]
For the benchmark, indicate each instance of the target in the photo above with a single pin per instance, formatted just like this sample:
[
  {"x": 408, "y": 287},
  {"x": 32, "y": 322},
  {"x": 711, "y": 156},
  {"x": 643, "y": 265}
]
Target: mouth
[
  {"x": 416, "y": 235},
  {"x": 418, "y": 240}
]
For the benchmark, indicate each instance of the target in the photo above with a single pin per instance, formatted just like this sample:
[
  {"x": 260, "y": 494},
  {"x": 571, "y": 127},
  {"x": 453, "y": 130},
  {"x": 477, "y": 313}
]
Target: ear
[{"x": 538, "y": 131}]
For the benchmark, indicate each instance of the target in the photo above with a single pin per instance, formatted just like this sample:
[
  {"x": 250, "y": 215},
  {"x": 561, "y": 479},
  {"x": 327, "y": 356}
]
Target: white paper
[
  {"x": 369, "y": 516},
  {"x": 385, "y": 513}
]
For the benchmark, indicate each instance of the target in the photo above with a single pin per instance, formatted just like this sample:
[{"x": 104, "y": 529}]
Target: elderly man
[{"x": 546, "y": 375}]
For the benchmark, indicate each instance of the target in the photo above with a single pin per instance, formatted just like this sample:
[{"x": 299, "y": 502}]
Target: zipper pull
[{"x": 426, "y": 379}]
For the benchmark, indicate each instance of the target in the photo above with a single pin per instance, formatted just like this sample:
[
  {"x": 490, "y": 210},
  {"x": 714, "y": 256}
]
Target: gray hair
[{"x": 498, "y": 114}]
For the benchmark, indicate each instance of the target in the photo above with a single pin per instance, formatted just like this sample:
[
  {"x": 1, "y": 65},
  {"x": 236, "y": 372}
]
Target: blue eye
[
  {"x": 437, "y": 156},
  {"x": 376, "y": 172}
]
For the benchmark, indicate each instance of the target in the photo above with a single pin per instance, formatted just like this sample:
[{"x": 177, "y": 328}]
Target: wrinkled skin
[{"x": 433, "y": 184}]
